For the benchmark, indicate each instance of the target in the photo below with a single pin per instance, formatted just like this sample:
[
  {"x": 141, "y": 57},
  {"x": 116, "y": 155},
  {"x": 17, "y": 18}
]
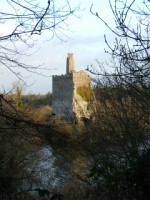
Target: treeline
[{"x": 37, "y": 100}]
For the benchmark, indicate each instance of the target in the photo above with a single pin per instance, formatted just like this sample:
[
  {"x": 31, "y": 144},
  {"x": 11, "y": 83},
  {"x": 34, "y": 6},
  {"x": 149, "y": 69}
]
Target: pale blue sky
[{"x": 85, "y": 41}]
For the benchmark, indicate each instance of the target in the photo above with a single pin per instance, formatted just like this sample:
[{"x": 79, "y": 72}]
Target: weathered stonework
[
  {"x": 66, "y": 103},
  {"x": 70, "y": 63}
]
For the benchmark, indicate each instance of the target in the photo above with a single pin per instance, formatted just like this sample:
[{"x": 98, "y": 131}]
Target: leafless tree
[
  {"x": 120, "y": 135},
  {"x": 24, "y": 22},
  {"x": 131, "y": 37}
]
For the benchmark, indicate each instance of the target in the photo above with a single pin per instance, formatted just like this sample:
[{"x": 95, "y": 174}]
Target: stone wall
[
  {"x": 81, "y": 79},
  {"x": 63, "y": 93}
]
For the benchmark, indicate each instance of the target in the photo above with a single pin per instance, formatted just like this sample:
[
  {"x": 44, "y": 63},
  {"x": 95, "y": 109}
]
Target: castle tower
[
  {"x": 70, "y": 63},
  {"x": 68, "y": 102}
]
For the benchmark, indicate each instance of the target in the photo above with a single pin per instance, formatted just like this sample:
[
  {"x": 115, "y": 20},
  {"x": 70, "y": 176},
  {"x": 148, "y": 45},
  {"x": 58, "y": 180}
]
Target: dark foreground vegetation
[{"x": 107, "y": 158}]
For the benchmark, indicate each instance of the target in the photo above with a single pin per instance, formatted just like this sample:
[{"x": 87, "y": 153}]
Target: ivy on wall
[{"x": 85, "y": 92}]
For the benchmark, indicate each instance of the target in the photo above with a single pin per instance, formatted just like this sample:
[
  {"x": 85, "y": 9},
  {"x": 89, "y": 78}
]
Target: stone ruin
[{"x": 67, "y": 103}]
